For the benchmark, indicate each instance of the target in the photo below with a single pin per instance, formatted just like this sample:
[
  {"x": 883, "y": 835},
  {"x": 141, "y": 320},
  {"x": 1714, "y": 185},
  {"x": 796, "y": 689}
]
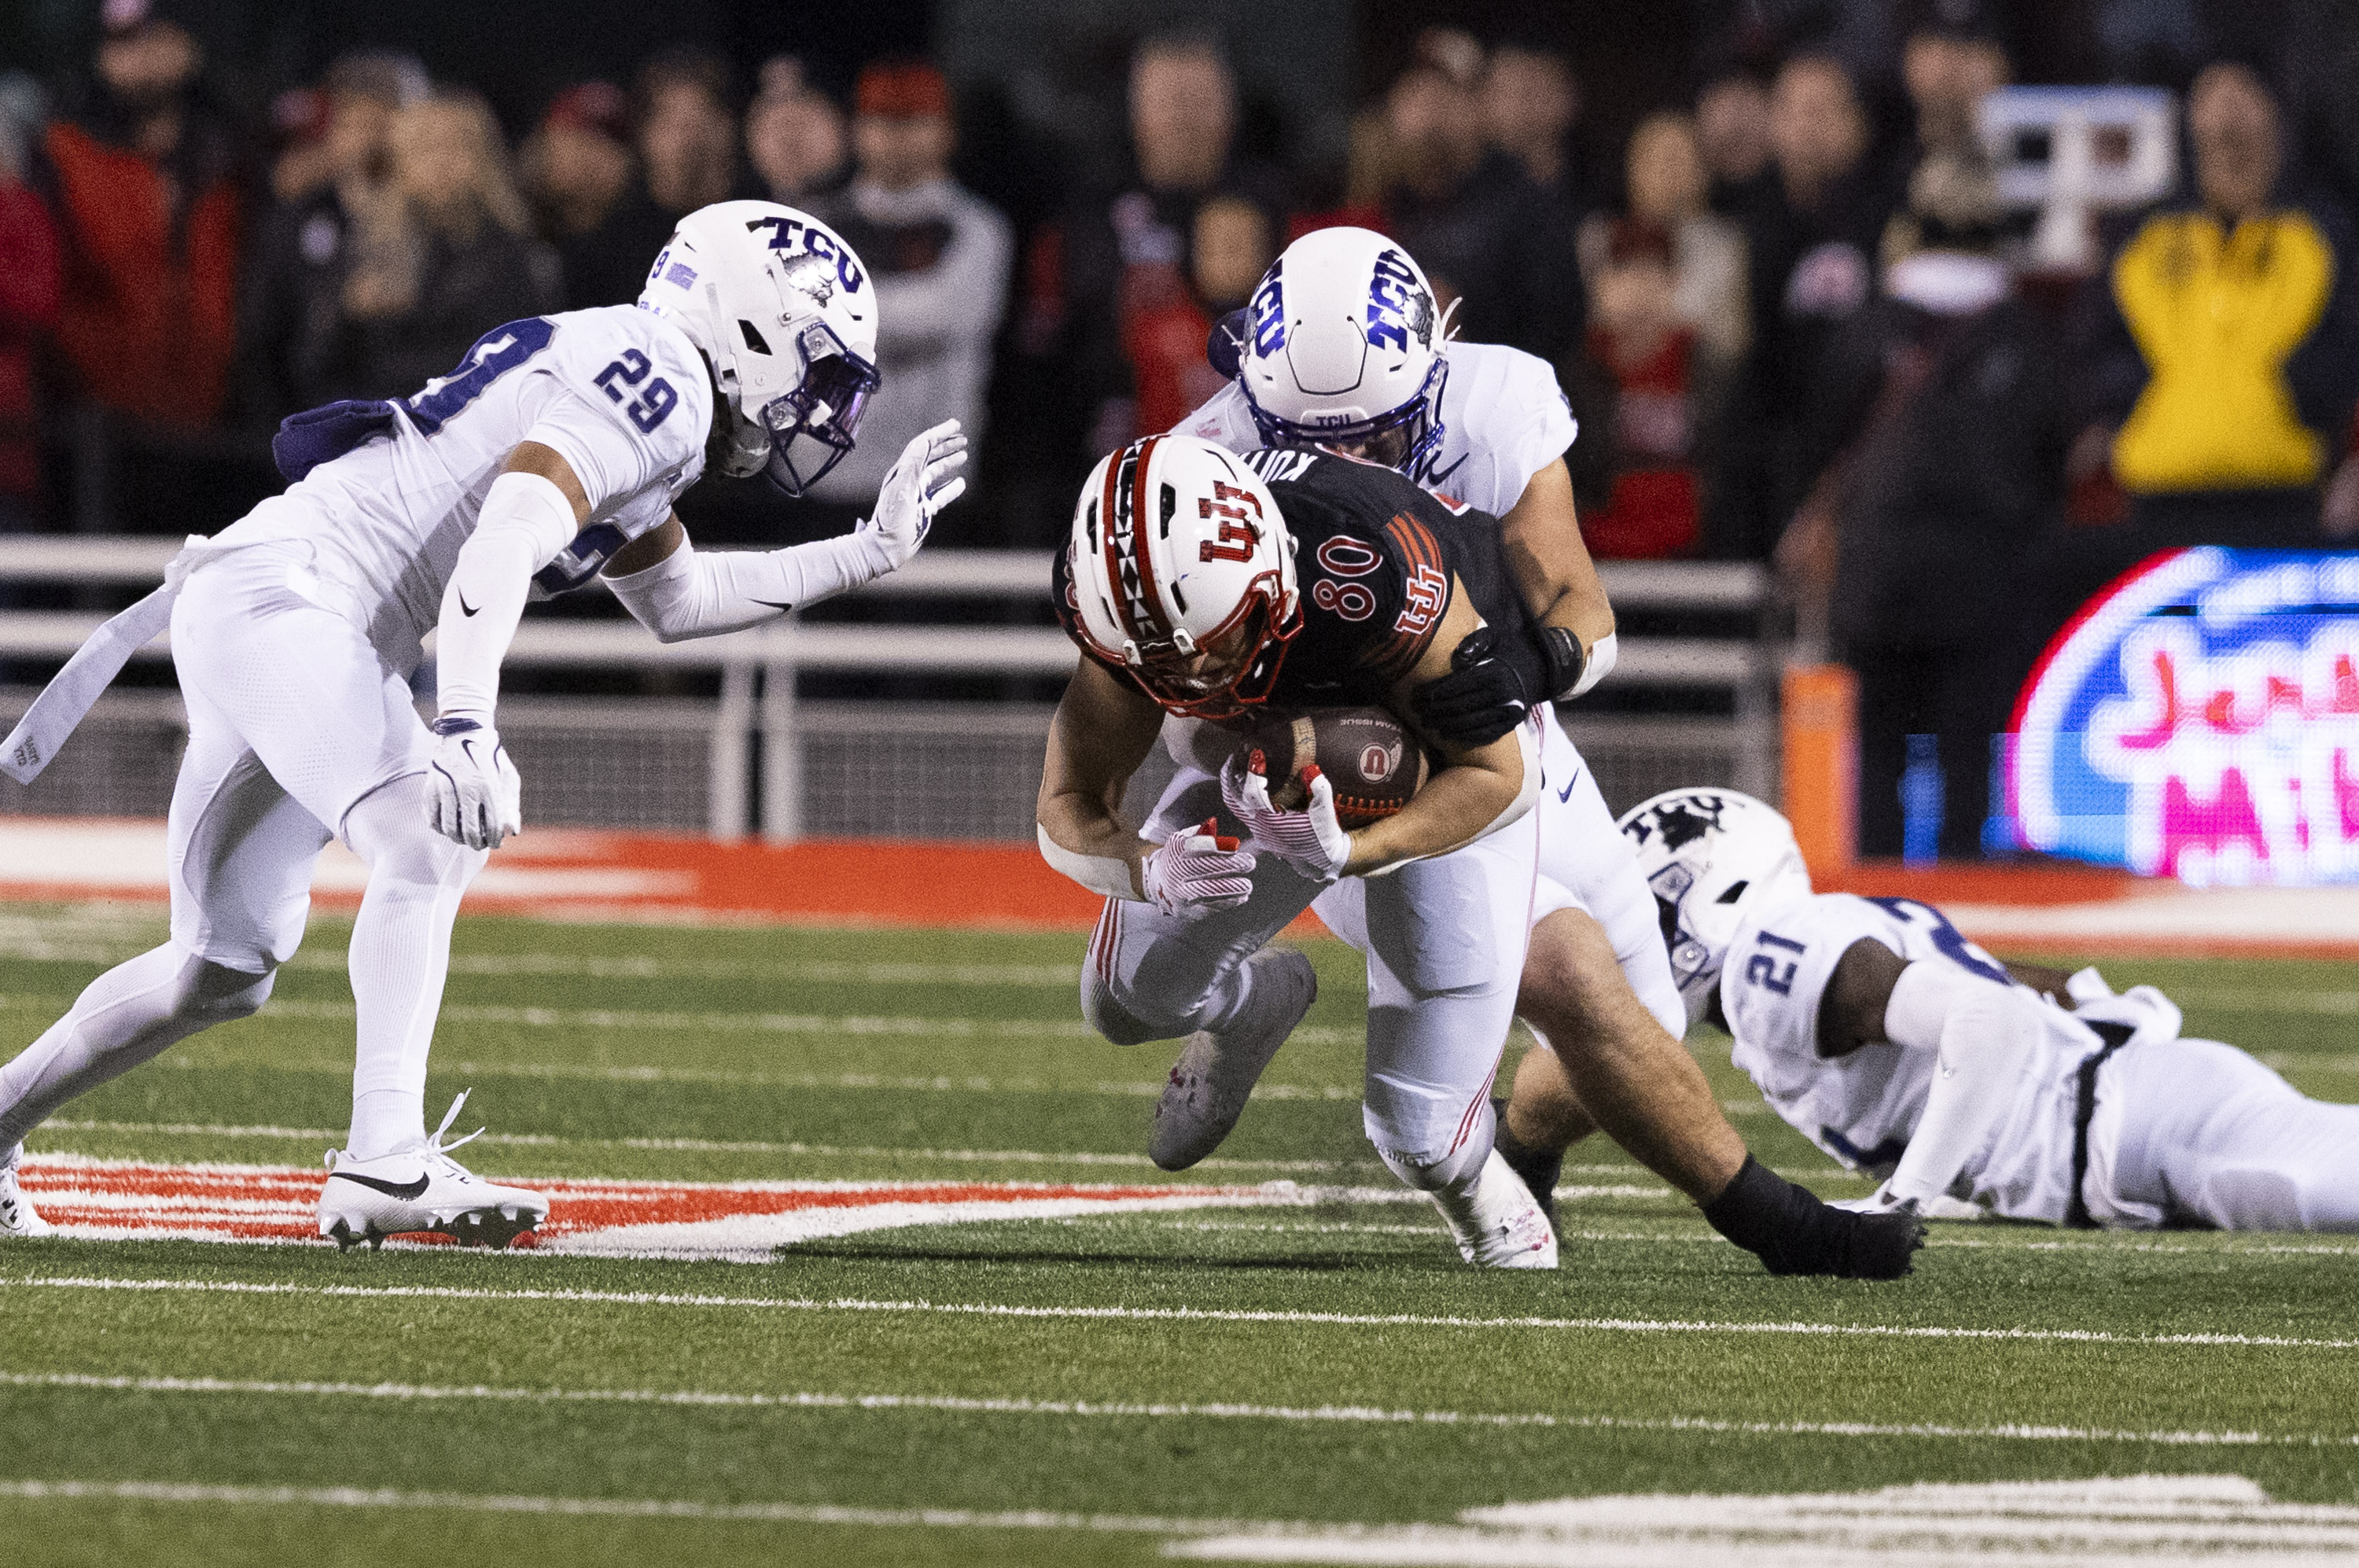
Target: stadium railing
[{"x": 775, "y": 761}]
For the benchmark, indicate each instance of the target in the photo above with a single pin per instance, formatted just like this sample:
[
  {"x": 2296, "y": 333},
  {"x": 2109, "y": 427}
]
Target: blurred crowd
[{"x": 1793, "y": 317}]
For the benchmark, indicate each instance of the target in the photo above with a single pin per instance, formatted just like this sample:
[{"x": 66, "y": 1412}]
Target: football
[{"x": 1375, "y": 765}]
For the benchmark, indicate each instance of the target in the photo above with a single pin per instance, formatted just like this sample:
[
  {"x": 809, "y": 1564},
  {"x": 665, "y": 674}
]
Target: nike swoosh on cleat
[
  {"x": 465, "y": 608},
  {"x": 391, "y": 1189}
]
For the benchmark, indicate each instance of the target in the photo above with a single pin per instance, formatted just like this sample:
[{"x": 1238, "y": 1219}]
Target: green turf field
[{"x": 1129, "y": 1382}]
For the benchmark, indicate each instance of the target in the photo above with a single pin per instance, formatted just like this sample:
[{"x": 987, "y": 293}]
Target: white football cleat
[
  {"x": 1216, "y": 1072},
  {"x": 17, "y": 1216},
  {"x": 421, "y": 1188},
  {"x": 1496, "y": 1222}
]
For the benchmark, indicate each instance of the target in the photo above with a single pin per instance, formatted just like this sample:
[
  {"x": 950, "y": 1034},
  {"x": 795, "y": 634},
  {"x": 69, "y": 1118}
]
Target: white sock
[
  {"x": 400, "y": 956},
  {"x": 133, "y": 1012}
]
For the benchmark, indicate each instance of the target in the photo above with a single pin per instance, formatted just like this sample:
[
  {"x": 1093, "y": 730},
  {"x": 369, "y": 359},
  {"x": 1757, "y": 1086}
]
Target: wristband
[{"x": 1571, "y": 669}]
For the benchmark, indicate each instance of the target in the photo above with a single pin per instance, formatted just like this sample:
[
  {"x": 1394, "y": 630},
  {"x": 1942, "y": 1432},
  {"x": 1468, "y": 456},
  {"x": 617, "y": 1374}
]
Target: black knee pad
[{"x": 1104, "y": 1014}]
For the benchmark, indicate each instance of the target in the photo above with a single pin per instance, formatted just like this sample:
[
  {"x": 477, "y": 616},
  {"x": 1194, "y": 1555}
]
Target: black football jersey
[{"x": 1374, "y": 560}]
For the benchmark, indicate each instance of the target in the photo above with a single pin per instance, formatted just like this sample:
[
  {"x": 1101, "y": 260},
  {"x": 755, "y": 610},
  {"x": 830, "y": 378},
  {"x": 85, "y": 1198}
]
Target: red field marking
[
  {"x": 2038, "y": 883},
  {"x": 256, "y": 1202},
  {"x": 567, "y": 873}
]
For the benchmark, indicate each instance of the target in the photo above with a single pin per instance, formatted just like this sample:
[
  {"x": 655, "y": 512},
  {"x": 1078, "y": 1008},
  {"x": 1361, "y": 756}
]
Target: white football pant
[
  {"x": 1585, "y": 864},
  {"x": 1445, "y": 944},
  {"x": 2198, "y": 1130},
  {"x": 298, "y": 731}
]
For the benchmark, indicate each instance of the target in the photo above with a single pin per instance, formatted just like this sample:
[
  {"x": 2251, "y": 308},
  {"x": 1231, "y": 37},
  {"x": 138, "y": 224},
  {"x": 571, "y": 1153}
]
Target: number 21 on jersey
[{"x": 1765, "y": 969}]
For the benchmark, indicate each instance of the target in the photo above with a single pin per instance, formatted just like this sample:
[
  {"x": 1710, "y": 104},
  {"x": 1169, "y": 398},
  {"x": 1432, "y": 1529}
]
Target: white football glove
[
  {"x": 1197, "y": 869},
  {"x": 1311, "y": 840},
  {"x": 923, "y": 480},
  {"x": 476, "y": 797}
]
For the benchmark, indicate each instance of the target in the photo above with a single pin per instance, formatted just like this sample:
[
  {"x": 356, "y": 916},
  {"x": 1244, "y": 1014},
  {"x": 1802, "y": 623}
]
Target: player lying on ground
[
  {"x": 1902, "y": 1048},
  {"x": 1347, "y": 312},
  {"x": 555, "y": 450}
]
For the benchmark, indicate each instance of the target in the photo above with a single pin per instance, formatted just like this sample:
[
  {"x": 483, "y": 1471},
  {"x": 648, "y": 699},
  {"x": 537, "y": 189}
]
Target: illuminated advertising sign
[{"x": 2199, "y": 719}]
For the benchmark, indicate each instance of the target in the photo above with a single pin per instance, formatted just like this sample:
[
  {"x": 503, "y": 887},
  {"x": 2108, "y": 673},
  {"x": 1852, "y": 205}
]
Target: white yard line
[
  {"x": 715, "y": 1146},
  {"x": 66, "y": 940},
  {"x": 1177, "y": 1314},
  {"x": 612, "y": 1508},
  {"x": 964, "y": 1404},
  {"x": 763, "y": 1024}
]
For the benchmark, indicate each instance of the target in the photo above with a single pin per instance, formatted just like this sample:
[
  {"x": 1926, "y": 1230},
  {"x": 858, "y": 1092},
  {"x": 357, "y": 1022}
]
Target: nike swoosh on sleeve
[
  {"x": 773, "y": 603},
  {"x": 465, "y": 608},
  {"x": 1566, "y": 793}
]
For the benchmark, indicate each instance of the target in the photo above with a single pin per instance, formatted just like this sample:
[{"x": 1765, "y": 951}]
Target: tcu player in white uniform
[
  {"x": 1341, "y": 349},
  {"x": 1902, "y": 1049},
  {"x": 556, "y": 449}
]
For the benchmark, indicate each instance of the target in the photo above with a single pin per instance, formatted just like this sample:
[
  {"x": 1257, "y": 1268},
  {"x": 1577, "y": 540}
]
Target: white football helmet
[
  {"x": 787, "y": 314},
  {"x": 1344, "y": 349},
  {"x": 1712, "y": 856},
  {"x": 1182, "y": 571}
]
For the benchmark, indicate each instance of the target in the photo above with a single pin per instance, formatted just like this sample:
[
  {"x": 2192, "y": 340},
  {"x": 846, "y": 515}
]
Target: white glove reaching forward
[
  {"x": 1311, "y": 840},
  {"x": 477, "y": 799},
  {"x": 1195, "y": 870},
  {"x": 923, "y": 480}
]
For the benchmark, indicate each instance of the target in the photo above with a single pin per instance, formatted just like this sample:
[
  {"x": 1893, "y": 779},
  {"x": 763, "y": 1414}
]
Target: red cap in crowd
[
  {"x": 598, "y": 106},
  {"x": 902, "y": 90}
]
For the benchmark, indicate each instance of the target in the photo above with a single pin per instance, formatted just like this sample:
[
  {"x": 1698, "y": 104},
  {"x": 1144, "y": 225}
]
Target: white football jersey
[
  {"x": 619, "y": 393},
  {"x": 1504, "y": 419},
  {"x": 1861, "y": 1108}
]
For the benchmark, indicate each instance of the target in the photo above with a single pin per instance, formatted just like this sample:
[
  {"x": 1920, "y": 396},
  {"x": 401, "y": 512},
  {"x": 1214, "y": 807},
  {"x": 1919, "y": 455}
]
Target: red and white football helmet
[{"x": 1183, "y": 571}]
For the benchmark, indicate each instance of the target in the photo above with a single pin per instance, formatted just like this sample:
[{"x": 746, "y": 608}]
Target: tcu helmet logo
[
  {"x": 797, "y": 237},
  {"x": 1377, "y": 762},
  {"x": 812, "y": 273},
  {"x": 1680, "y": 822},
  {"x": 1397, "y": 306},
  {"x": 1269, "y": 313},
  {"x": 1428, "y": 595},
  {"x": 1238, "y": 534}
]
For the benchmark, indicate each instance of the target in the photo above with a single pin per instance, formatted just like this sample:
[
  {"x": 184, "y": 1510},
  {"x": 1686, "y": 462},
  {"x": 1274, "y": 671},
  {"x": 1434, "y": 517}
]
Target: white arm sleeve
[
  {"x": 1098, "y": 873},
  {"x": 1984, "y": 1035},
  {"x": 1603, "y": 654},
  {"x": 524, "y": 521},
  {"x": 688, "y": 595}
]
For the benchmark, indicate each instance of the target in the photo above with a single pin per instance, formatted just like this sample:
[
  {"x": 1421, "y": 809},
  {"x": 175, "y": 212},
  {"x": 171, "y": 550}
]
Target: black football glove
[
  {"x": 1480, "y": 700},
  {"x": 1561, "y": 653}
]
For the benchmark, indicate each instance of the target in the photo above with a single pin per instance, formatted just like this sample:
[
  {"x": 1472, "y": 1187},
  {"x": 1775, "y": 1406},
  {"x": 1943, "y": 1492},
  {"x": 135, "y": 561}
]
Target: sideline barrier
[
  {"x": 1821, "y": 754},
  {"x": 760, "y": 726}
]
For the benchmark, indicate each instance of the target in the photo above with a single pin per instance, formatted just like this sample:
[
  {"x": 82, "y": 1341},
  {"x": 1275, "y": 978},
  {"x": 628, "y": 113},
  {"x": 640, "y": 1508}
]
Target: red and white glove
[
  {"x": 1311, "y": 840},
  {"x": 1197, "y": 869}
]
